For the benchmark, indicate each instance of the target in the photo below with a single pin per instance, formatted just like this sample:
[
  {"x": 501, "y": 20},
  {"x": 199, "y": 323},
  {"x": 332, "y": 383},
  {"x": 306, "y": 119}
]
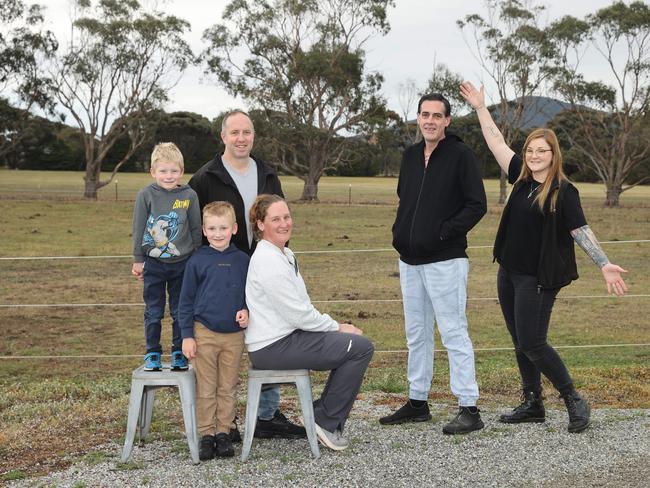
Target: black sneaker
[
  {"x": 407, "y": 413},
  {"x": 207, "y": 447},
  {"x": 530, "y": 410},
  {"x": 468, "y": 419},
  {"x": 278, "y": 426},
  {"x": 579, "y": 412},
  {"x": 224, "y": 445}
]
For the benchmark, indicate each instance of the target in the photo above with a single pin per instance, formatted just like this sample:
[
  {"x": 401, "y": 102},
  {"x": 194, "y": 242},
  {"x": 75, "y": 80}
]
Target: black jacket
[
  {"x": 439, "y": 204},
  {"x": 212, "y": 183},
  {"x": 557, "y": 259}
]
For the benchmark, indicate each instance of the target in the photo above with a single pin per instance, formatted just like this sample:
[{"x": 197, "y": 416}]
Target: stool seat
[
  {"x": 143, "y": 387},
  {"x": 259, "y": 377}
]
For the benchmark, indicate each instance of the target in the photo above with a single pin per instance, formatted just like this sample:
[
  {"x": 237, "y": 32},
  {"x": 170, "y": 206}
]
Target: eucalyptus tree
[
  {"x": 512, "y": 48},
  {"x": 611, "y": 119},
  {"x": 117, "y": 69},
  {"x": 24, "y": 46},
  {"x": 303, "y": 62}
]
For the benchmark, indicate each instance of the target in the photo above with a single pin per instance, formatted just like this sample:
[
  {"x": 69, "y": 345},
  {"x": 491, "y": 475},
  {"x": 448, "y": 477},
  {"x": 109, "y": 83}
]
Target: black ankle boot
[
  {"x": 579, "y": 412},
  {"x": 530, "y": 410}
]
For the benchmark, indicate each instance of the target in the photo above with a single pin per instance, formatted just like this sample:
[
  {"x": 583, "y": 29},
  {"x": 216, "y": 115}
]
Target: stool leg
[
  {"x": 188, "y": 395},
  {"x": 146, "y": 411},
  {"x": 303, "y": 385},
  {"x": 252, "y": 404},
  {"x": 135, "y": 401}
]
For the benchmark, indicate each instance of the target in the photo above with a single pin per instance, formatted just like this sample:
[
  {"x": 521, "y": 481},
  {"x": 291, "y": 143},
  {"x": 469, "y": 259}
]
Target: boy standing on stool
[
  {"x": 166, "y": 231},
  {"x": 212, "y": 316}
]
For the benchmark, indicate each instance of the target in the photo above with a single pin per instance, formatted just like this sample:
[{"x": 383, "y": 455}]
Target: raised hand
[{"x": 476, "y": 98}]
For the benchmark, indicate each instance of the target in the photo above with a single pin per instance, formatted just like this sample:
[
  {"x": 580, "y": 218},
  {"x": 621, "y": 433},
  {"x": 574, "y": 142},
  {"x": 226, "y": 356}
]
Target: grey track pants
[{"x": 346, "y": 355}]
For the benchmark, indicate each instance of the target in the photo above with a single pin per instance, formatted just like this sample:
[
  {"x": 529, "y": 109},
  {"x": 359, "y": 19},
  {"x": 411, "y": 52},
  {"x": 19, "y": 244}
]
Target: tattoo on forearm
[
  {"x": 589, "y": 244},
  {"x": 494, "y": 131}
]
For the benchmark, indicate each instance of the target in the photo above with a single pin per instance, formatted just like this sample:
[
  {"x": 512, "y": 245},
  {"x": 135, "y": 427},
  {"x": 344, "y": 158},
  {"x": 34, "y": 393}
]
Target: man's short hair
[
  {"x": 167, "y": 152},
  {"x": 435, "y": 97},
  {"x": 220, "y": 209},
  {"x": 230, "y": 114}
]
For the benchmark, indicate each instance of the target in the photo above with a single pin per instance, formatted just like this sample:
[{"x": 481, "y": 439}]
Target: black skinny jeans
[{"x": 527, "y": 312}]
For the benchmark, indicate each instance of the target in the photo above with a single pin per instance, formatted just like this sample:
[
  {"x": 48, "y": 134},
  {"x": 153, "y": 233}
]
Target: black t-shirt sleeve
[
  {"x": 572, "y": 214},
  {"x": 514, "y": 168}
]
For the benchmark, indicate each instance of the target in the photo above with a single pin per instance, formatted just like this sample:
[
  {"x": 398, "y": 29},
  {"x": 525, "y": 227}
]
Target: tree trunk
[
  {"x": 310, "y": 188},
  {"x": 502, "y": 187},
  {"x": 91, "y": 181},
  {"x": 316, "y": 165},
  {"x": 613, "y": 195}
]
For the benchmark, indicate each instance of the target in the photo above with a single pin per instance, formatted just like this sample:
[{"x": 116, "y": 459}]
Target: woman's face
[
  {"x": 277, "y": 225},
  {"x": 539, "y": 156}
]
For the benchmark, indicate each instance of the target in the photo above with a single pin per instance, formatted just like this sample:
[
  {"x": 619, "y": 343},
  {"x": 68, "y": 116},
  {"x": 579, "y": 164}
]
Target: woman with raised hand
[
  {"x": 535, "y": 252},
  {"x": 285, "y": 331}
]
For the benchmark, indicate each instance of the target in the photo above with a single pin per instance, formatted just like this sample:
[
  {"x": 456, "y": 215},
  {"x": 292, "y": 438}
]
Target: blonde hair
[
  {"x": 259, "y": 210},
  {"x": 167, "y": 152},
  {"x": 220, "y": 209},
  {"x": 555, "y": 173}
]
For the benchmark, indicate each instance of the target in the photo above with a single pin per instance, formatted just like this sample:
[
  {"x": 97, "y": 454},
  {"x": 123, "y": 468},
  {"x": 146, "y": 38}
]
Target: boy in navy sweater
[{"x": 213, "y": 315}]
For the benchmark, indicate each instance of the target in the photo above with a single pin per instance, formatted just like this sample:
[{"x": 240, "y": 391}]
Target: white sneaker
[{"x": 333, "y": 440}]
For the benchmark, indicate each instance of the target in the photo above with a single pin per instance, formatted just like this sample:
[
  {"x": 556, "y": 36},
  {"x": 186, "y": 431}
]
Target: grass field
[{"x": 56, "y": 408}]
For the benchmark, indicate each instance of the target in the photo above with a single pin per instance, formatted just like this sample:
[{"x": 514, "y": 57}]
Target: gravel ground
[{"x": 614, "y": 451}]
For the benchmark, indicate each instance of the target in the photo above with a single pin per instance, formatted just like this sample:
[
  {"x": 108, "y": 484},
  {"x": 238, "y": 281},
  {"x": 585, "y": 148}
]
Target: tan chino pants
[{"x": 216, "y": 365}]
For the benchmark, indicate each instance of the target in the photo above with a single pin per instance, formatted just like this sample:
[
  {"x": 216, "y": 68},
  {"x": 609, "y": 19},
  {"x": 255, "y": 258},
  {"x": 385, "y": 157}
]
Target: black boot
[
  {"x": 579, "y": 412},
  {"x": 468, "y": 419},
  {"x": 207, "y": 447},
  {"x": 530, "y": 410}
]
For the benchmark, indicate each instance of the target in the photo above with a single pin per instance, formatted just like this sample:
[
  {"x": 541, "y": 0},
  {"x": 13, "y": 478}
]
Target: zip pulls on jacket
[{"x": 417, "y": 206}]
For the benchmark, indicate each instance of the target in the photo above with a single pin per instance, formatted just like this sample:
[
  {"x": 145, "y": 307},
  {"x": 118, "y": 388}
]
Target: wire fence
[
  {"x": 345, "y": 301},
  {"x": 313, "y": 251}
]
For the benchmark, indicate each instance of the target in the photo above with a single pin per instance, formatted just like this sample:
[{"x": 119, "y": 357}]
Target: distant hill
[{"x": 538, "y": 111}]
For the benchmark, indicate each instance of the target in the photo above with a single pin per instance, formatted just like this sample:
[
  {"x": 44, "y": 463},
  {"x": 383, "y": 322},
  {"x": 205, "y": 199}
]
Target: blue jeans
[
  {"x": 160, "y": 279},
  {"x": 269, "y": 402},
  {"x": 437, "y": 293}
]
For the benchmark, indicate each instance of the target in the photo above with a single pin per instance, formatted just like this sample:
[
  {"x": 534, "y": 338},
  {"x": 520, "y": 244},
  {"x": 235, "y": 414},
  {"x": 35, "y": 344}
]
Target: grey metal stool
[
  {"x": 143, "y": 387},
  {"x": 259, "y": 377}
]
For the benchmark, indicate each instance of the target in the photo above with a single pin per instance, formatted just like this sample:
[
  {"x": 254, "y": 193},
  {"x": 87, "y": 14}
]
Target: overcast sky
[{"x": 421, "y": 31}]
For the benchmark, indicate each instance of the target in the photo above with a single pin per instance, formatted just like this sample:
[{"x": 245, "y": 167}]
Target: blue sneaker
[
  {"x": 179, "y": 361},
  {"x": 152, "y": 361}
]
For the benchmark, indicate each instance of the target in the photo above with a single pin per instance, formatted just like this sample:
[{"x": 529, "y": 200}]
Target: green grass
[
  {"x": 46, "y": 397},
  {"x": 13, "y": 475}
]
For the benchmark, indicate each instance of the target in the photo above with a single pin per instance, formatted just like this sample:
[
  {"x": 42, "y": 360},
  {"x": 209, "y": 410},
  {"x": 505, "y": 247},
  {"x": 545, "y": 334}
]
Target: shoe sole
[
  {"x": 533, "y": 420},
  {"x": 477, "y": 426},
  {"x": 226, "y": 454},
  {"x": 179, "y": 368},
  {"x": 323, "y": 439},
  {"x": 153, "y": 369},
  {"x": 423, "y": 418},
  {"x": 278, "y": 435},
  {"x": 577, "y": 430}
]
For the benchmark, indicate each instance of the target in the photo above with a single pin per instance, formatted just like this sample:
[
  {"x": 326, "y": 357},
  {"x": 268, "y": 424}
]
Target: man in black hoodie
[
  {"x": 237, "y": 177},
  {"x": 441, "y": 197}
]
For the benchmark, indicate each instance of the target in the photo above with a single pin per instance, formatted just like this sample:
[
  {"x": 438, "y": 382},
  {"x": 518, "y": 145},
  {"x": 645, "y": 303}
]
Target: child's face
[
  {"x": 219, "y": 230},
  {"x": 167, "y": 175}
]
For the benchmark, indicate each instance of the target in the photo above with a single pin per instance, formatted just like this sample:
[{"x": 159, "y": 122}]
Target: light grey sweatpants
[{"x": 346, "y": 355}]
